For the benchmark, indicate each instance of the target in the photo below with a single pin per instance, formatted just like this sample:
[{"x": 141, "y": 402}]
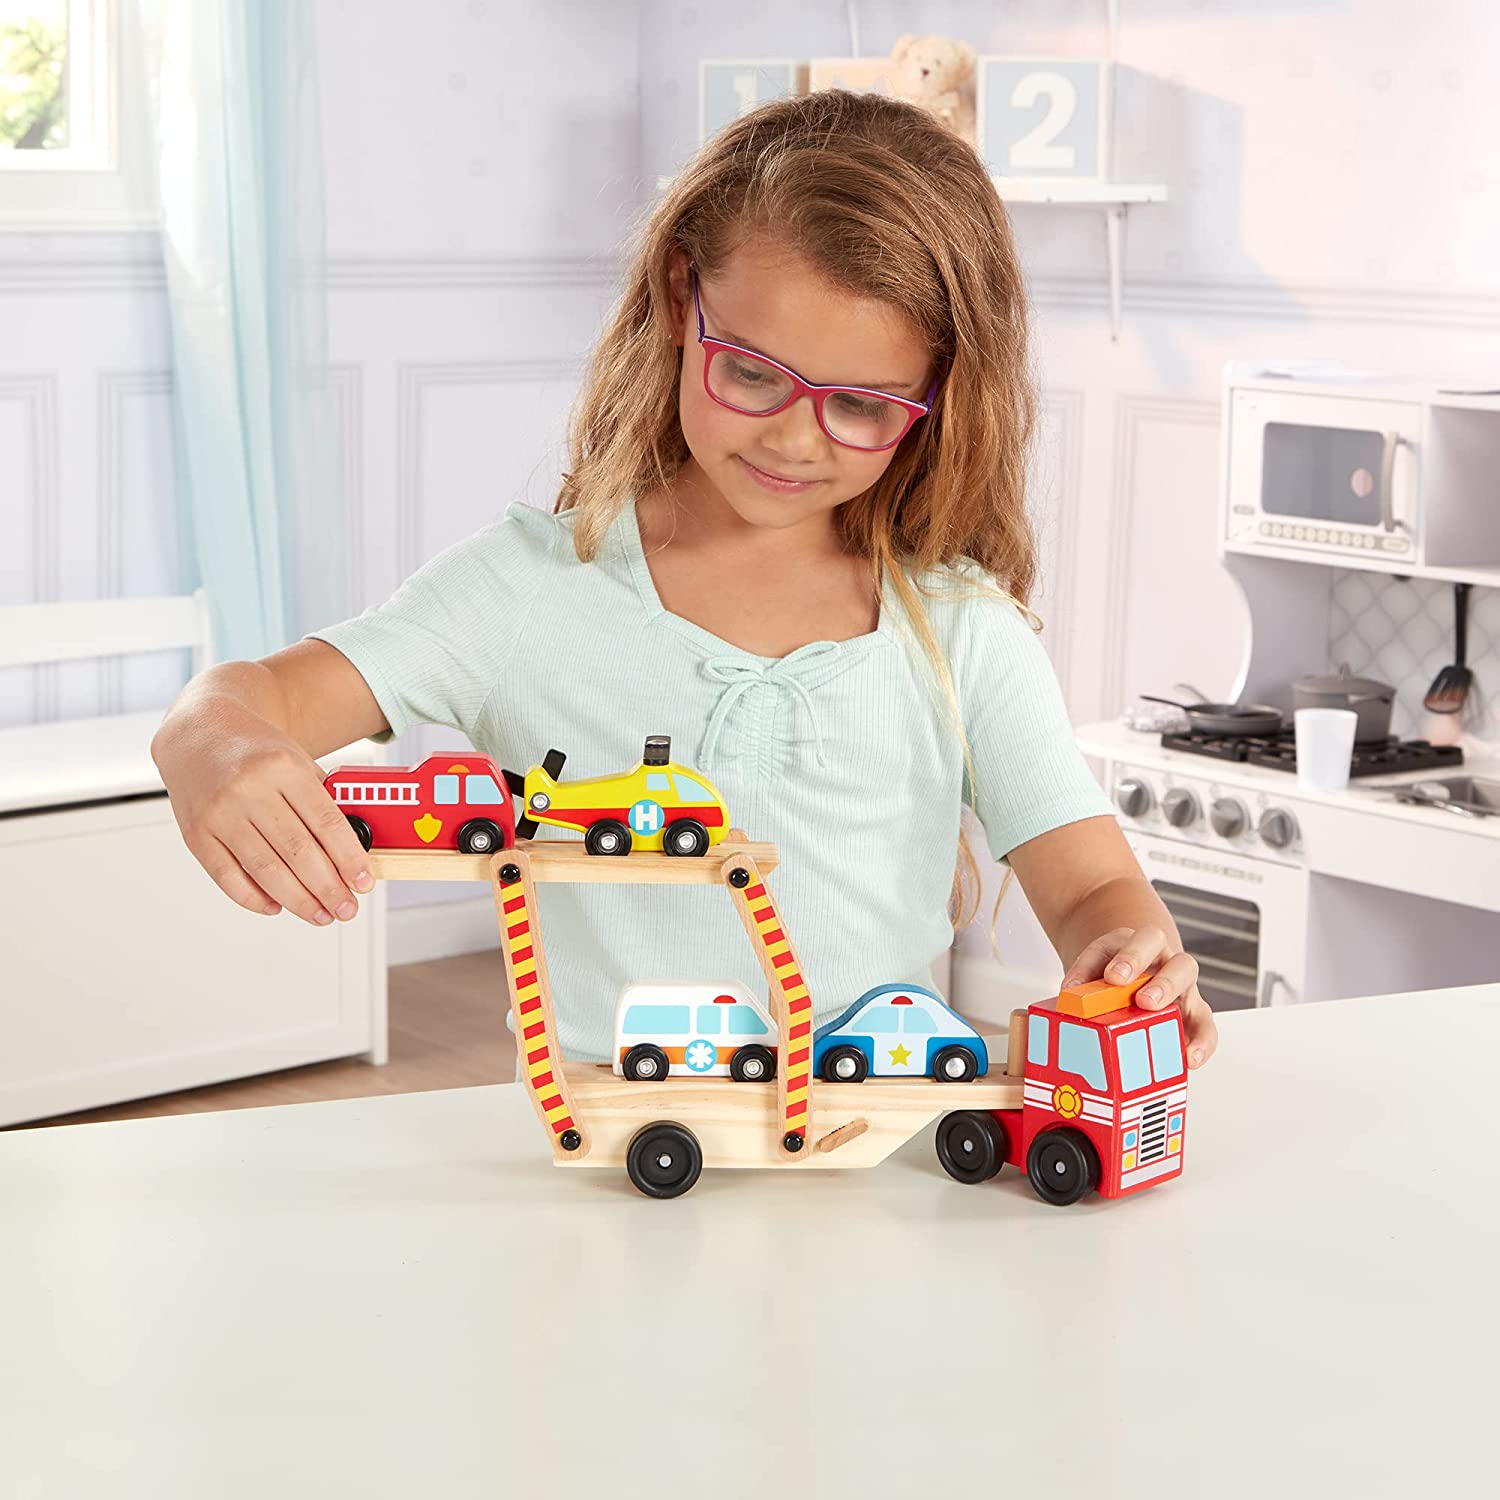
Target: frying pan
[{"x": 1227, "y": 718}]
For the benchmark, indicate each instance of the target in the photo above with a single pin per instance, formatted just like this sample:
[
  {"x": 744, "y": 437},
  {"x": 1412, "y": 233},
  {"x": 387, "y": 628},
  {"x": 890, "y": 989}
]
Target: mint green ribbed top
[{"x": 843, "y": 753}]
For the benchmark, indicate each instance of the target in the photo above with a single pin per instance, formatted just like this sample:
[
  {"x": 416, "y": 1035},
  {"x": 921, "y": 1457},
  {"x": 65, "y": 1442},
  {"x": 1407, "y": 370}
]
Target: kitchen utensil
[
  {"x": 1416, "y": 798},
  {"x": 1227, "y": 718},
  {"x": 1325, "y": 747},
  {"x": 1471, "y": 796},
  {"x": 1450, "y": 688},
  {"x": 1371, "y": 700}
]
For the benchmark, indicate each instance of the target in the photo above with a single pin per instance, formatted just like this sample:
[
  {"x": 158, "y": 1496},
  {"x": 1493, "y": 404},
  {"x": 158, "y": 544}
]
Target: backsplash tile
[{"x": 1401, "y": 632}]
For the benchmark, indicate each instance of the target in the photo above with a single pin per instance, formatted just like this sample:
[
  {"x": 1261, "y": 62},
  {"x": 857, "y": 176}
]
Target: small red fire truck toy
[
  {"x": 1104, "y": 1099},
  {"x": 439, "y": 804}
]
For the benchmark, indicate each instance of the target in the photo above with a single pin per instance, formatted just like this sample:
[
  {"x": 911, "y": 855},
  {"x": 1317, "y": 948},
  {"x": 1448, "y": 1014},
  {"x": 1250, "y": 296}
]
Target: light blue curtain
[{"x": 238, "y": 146}]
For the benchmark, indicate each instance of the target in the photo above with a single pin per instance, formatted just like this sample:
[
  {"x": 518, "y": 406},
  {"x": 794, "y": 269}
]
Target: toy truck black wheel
[
  {"x": 664, "y": 1160},
  {"x": 971, "y": 1145},
  {"x": 480, "y": 836},
  {"x": 1062, "y": 1166},
  {"x": 753, "y": 1064},
  {"x": 687, "y": 838},
  {"x": 645, "y": 1063},
  {"x": 955, "y": 1065},
  {"x": 845, "y": 1065},
  {"x": 607, "y": 837},
  {"x": 361, "y": 831}
]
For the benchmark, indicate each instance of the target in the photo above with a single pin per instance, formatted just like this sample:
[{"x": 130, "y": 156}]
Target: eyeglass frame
[{"x": 915, "y": 410}]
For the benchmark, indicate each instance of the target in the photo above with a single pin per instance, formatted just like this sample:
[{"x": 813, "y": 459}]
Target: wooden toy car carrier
[{"x": 664, "y": 1132}]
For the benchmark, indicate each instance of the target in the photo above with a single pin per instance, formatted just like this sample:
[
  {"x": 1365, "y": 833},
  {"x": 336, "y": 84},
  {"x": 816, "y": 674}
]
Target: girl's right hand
[{"x": 252, "y": 809}]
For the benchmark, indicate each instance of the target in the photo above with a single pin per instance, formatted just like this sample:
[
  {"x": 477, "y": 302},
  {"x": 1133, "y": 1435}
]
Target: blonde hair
[{"x": 885, "y": 203}]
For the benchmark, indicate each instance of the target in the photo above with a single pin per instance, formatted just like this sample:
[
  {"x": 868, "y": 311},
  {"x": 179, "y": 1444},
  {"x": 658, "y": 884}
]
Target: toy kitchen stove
[
  {"x": 1384, "y": 757},
  {"x": 1283, "y": 895}
]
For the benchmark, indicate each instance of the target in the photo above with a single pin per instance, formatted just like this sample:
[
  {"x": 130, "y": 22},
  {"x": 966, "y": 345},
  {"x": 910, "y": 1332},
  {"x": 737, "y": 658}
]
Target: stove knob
[
  {"x": 1277, "y": 827},
  {"x": 1229, "y": 817},
  {"x": 1181, "y": 807},
  {"x": 1133, "y": 797}
]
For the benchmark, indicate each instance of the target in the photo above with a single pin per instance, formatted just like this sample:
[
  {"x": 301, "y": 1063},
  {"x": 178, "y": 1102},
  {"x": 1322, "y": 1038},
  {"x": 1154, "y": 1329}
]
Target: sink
[{"x": 1473, "y": 796}]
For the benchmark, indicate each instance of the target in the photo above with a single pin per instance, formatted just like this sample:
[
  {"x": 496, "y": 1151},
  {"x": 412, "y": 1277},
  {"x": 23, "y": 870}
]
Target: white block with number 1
[{"x": 729, "y": 88}]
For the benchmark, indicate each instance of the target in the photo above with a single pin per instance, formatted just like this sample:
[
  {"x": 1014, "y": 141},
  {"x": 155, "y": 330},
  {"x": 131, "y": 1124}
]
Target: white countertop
[
  {"x": 402, "y": 1296},
  {"x": 1111, "y": 740},
  {"x": 78, "y": 760}
]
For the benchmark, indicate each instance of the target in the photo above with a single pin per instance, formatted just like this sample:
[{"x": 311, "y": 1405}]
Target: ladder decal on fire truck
[
  {"x": 783, "y": 969},
  {"x": 531, "y": 1025}
]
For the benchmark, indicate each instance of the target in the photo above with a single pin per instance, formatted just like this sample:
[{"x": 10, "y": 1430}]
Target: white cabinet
[{"x": 125, "y": 972}]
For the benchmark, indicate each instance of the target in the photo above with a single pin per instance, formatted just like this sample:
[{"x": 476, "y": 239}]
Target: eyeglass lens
[{"x": 755, "y": 386}]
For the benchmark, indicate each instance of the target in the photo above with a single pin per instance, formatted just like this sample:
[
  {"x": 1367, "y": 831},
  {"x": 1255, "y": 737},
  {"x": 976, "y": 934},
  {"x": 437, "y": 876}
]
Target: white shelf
[
  {"x": 1079, "y": 194},
  {"x": 1481, "y": 575},
  {"x": 1115, "y": 198}
]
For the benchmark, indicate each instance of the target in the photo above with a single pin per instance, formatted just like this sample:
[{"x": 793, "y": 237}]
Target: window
[
  {"x": 1166, "y": 1050},
  {"x": 880, "y": 1019},
  {"x": 481, "y": 791},
  {"x": 708, "y": 1020},
  {"x": 917, "y": 1022},
  {"x": 445, "y": 790},
  {"x": 744, "y": 1022},
  {"x": 658, "y": 781},
  {"x": 1036, "y": 1041},
  {"x": 1078, "y": 1051},
  {"x": 74, "y": 136},
  {"x": 641, "y": 1020},
  {"x": 690, "y": 790},
  {"x": 1135, "y": 1070},
  {"x": 48, "y": 94}
]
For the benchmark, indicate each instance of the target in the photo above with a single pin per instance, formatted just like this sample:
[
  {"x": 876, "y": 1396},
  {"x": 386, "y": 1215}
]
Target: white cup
[{"x": 1325, "y": 747}]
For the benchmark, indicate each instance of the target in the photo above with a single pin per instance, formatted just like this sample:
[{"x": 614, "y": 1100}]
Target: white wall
[
  {"x": 481, "y": 158},
  {"x": 1332, "y": 195}
]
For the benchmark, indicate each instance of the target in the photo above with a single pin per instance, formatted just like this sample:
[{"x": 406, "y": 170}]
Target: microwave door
[{"x": 1333, "y": 476}]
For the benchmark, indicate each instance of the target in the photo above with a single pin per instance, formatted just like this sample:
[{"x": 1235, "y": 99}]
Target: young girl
[{"x": 793, "y": 537}]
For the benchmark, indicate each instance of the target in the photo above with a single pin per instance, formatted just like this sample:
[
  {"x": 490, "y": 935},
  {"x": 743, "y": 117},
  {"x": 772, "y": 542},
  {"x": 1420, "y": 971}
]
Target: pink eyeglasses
[{"x": 754, "y": 386}]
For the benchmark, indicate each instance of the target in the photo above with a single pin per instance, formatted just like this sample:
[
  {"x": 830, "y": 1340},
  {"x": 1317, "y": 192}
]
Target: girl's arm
[
  {"x": 235, "y": 753},
  {"x": 1106, "y": 922}
]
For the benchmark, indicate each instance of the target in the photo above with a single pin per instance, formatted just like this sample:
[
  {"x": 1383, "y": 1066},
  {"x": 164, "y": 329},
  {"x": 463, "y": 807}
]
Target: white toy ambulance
[{"x": 688, "y": 1029}]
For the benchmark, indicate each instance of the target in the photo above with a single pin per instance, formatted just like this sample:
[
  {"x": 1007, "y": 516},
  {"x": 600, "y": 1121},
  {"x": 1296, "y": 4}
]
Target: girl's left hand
[{"x": 1120, "y": 955}]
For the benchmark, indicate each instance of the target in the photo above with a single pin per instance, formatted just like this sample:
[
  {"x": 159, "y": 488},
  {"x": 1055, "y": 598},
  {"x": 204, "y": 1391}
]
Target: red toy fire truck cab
[
  {"x": 439, "y": 804},
  {"x": 1105, "y": 1099}
]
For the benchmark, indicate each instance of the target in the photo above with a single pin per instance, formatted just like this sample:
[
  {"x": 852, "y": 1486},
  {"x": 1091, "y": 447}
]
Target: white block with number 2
[{"x": 1043, "y": 117}]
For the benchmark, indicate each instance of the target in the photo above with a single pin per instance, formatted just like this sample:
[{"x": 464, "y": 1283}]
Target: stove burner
[{"x": 1279, "y": 752}]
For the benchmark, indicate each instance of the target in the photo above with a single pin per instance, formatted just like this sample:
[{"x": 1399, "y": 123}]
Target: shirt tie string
[{"x": 793, "y": 673}]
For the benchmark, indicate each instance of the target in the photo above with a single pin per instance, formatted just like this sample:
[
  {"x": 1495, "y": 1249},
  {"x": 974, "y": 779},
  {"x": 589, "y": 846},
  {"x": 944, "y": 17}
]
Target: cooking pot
[{"x": 1369, "y": 699}]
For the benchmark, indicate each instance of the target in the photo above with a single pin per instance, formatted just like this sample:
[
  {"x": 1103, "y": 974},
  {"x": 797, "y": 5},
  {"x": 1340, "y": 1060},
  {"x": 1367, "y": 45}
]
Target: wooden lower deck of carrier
[
  {"x": 851, "y": 1124},
  {"x": 592, "y": 1114}
]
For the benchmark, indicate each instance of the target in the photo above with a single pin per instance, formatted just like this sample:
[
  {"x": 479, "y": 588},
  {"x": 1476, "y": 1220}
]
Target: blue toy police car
[{"x": 899, "y": 1031}]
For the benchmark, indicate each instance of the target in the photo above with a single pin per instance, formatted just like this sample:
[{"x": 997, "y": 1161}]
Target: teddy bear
[{"x": 937, "y": 73}]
